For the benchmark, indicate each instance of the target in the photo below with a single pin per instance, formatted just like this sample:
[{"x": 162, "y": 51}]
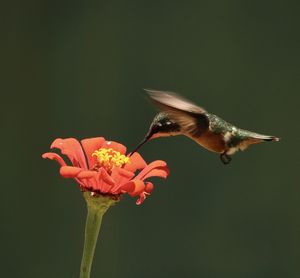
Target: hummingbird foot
[{"x": 225, "y": 158}]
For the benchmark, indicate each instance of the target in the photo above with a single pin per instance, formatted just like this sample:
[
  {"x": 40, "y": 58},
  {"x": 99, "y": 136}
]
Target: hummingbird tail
[{"x": 265, "y": 137}]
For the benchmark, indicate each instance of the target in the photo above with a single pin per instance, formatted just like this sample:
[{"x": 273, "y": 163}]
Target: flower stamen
[{"x": 110, "y": 158}]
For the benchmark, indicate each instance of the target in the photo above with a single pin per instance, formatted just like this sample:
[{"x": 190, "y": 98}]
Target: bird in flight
[{"x": 179, "y": 116}]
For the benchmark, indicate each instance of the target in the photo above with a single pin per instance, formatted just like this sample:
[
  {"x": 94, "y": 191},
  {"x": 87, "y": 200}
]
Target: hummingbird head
[{"x": 161, "y": 126}]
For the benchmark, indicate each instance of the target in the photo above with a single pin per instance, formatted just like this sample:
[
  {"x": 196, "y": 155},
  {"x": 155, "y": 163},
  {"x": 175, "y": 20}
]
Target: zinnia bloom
[{"x": 102, "y": 167}]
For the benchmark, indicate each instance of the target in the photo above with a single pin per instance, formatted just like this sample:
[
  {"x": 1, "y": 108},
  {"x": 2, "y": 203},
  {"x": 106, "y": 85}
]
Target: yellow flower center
[{"x": 110, "y": 158}]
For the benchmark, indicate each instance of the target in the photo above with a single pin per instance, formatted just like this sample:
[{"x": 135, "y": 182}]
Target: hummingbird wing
[{"x": 188, "y": 115}]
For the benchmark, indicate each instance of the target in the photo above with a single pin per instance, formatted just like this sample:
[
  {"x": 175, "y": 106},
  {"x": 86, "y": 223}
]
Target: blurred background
[{"x": 78, "y": 69}]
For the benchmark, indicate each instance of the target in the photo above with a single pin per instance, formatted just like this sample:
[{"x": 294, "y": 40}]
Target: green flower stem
[{"x": 96, "y": 207}]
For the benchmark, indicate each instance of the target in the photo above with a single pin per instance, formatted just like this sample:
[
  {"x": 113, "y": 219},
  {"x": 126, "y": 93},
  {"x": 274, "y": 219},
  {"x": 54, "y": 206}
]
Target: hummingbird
[{"x": 179, "y": 116}]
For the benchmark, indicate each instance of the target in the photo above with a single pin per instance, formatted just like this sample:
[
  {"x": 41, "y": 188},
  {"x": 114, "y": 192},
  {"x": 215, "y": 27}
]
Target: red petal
[
  {"x": 157, "y": 168},
  {"x": 72, "y": 149},
  {"x": 104, "y": 182},
  {"x": 141, "y": 199},
  {"x": 149, "y": 187},
  {"x": 161, "y": 172},
  {"x": 106, "y": 177},
  {"x": 143, "y": 195},
  {"x": 87, "y": 179},
  {"x": 56, "y": 157},
  {"x": 138, "y": 188},
  {"x": 127, "y": 187},
  {"x": 87, "y": 174},
  {"x": 136, "y": 162},
  {"x": 89, "y": 146},
  {"x": 120, "y": 175},
  {"x": 115, "y": 146},
  {"x": 69, "y": 171}
]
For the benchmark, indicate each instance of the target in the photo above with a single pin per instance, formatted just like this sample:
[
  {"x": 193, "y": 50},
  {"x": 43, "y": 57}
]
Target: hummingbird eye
[{"x": 157, "y": 127}]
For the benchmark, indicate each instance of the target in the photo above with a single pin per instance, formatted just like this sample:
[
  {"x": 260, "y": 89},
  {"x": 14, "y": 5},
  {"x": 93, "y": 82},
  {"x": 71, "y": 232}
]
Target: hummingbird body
[
  {"x": 181, "y": 117},
  {"x": 223, "y": 137}
]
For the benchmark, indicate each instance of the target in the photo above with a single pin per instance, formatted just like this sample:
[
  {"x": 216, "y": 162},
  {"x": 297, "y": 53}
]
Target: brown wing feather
[
  {"x": 175, "y": 101},
  {"x": 189, "y": 116}
]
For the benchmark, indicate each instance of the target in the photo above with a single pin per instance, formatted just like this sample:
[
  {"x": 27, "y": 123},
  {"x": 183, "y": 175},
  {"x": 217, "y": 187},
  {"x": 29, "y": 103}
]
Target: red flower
[{"x": 101, "y": 167}]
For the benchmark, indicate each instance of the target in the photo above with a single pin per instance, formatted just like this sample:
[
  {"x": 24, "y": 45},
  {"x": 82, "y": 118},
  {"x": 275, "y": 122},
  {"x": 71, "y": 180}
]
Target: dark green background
[{"x": 77, "y": 69}]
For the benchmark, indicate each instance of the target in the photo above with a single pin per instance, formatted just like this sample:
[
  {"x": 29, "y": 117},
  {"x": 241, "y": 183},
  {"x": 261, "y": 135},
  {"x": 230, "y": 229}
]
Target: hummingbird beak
[{"x": 145, "y": 140}]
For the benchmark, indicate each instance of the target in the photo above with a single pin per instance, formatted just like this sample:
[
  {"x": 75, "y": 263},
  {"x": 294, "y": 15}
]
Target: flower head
[{"x": 102, "y": 167}]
